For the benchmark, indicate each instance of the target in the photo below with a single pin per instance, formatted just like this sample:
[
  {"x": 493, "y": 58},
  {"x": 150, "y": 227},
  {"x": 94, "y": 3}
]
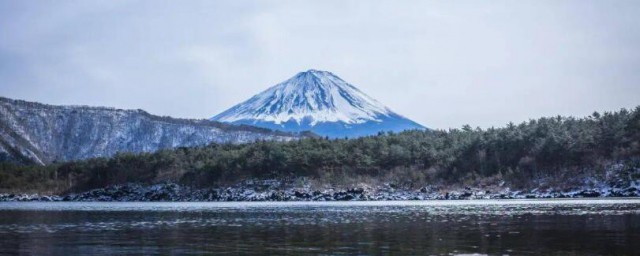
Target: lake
[{"x": 494, "y": 227}]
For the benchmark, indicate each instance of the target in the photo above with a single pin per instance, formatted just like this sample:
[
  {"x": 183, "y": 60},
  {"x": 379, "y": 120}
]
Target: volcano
[{"x": 317, "y": 101}]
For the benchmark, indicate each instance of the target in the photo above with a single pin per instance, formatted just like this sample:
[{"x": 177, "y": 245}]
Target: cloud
[{"x": 442, "y": 64}]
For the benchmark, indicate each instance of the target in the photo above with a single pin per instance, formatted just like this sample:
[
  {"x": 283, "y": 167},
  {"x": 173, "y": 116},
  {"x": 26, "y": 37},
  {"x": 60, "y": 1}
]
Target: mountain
[
  {"x": 318, "y": 101},
  {"x": 37, "y": 133}
]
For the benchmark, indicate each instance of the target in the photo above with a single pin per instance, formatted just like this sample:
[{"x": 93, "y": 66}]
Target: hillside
[
  {"x": 556, "y": 152},
  {"x": 38, "y": 133}
]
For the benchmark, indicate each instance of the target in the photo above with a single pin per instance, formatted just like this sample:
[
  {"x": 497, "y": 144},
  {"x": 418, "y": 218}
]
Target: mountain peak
[
  {"x": 314, "y": 73},
  {"x": 317, "y": 72},
  {"x": 309, "y": 99},
  {"x": 316, "y": 78}
]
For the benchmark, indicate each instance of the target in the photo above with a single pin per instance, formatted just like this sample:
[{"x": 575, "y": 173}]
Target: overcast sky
[{"x": 442, "y": 64}]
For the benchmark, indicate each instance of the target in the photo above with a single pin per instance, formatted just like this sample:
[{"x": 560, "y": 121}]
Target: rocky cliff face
[{"x": 38, "y": 133}]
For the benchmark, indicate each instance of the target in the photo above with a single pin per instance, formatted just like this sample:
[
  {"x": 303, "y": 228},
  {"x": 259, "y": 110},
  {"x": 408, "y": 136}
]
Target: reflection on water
[{"x": 515, "y": 227}]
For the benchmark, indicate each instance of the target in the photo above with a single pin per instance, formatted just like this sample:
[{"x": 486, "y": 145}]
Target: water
[{"x": 513, "y": 227}]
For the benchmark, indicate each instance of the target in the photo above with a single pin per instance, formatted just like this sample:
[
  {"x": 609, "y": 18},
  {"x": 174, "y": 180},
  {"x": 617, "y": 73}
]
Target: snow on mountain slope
[
  {"x": 318, "y": 101},
  {"x": 37, "y": 133}
]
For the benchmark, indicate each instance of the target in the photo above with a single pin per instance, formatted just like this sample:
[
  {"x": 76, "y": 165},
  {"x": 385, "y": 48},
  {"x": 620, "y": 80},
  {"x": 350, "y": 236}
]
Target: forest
[{"x": 558, "y": 147}]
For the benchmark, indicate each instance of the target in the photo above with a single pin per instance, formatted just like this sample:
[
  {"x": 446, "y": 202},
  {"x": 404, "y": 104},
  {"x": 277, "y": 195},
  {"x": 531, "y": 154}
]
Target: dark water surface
[{"x": 513, "y": 227}]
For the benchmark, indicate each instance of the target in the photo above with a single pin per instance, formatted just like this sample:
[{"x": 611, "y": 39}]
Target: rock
[
  {"x": 302, "y": 195},
  {"x": 276, "y": 196},
  {"x": 343, "y": 196},
  {"x": 300, "y": 190},
  {"x": 356, "y": 190},
  {"x": 589, "y": 193}
]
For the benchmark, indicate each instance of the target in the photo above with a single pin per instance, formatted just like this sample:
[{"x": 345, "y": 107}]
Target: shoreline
[
  {"x": 519, "y": 199},
  {"x": 279, "y": 191}
]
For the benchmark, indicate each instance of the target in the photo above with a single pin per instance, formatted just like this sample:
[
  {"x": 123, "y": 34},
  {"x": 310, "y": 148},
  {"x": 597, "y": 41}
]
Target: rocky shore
[{"x": 276, "y": 190}]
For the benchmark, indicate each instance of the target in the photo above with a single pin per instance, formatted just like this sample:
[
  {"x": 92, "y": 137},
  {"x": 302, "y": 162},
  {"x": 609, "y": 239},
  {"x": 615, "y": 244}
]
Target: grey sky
[{"x": 442, "y": 64}]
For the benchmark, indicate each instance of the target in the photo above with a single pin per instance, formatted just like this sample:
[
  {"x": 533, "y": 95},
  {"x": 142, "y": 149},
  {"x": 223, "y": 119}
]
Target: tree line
[{"x": 518, "y": 153}]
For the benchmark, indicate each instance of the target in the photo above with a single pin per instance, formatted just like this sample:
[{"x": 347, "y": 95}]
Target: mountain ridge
[{"x": 32, "y": 132}]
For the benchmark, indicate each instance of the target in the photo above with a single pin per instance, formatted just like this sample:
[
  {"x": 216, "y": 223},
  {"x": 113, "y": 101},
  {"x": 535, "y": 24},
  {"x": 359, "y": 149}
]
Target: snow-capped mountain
[{"x": 318, "y": 101}]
